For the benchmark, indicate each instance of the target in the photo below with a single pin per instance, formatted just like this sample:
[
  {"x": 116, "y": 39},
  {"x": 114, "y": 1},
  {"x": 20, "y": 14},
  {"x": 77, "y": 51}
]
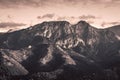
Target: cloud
[
  {"x": 109, "y": 23},
  {"x": 73, "y": 19},
  {"x": 90, "y": 21},
  {"x": 46, "y": 16},
  {"x": 18, "y": 3},
  {"x": 41, "y": 3},
  {"x": 106, "y": 1},
  {"x": 10, "y": 24},
  {"x": 69, "y": 18},
  {"x": 88, "y": 17},
  {"x": 82, "y": 17},
  {"x": 61, "y": 18}
]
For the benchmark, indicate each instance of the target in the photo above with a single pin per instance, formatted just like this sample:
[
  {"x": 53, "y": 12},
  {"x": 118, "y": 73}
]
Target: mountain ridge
[{"x": 58, "y": 45}]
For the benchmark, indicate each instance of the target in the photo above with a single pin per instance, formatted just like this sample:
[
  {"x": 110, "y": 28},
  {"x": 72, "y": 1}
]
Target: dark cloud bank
[
  {"x": 46, "y": 16},
  {"x": 51, "y": 15},
  {"x": 10, "y": 24},
  {"x": 40, "y": 3},
  {"x": 110, "y": 23}
]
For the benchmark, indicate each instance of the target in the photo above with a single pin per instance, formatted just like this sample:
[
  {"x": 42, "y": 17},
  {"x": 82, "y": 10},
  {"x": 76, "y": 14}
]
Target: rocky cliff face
[{"x": 58, "y": 45}]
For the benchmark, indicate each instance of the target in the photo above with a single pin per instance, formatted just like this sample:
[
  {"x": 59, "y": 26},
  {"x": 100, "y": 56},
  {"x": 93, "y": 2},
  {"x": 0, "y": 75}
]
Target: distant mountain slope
[{"x": 115, "y": 29}]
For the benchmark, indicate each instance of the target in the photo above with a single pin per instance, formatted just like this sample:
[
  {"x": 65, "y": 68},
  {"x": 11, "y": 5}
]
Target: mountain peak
[{"x": 82, "y": 22}]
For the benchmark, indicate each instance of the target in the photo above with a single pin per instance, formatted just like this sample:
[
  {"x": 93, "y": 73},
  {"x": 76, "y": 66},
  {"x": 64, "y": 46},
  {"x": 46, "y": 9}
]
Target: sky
[{"x": 19, "y": 14}]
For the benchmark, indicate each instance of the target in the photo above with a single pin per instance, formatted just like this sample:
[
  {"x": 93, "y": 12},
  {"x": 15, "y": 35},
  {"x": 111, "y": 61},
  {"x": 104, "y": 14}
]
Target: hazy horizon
[{"x": 19, "y": 14}]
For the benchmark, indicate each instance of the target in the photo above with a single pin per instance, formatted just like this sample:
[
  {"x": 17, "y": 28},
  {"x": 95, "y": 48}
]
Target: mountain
[
  {"x": 116, "y": 30},
  {"x": 61, "y": 51}
]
